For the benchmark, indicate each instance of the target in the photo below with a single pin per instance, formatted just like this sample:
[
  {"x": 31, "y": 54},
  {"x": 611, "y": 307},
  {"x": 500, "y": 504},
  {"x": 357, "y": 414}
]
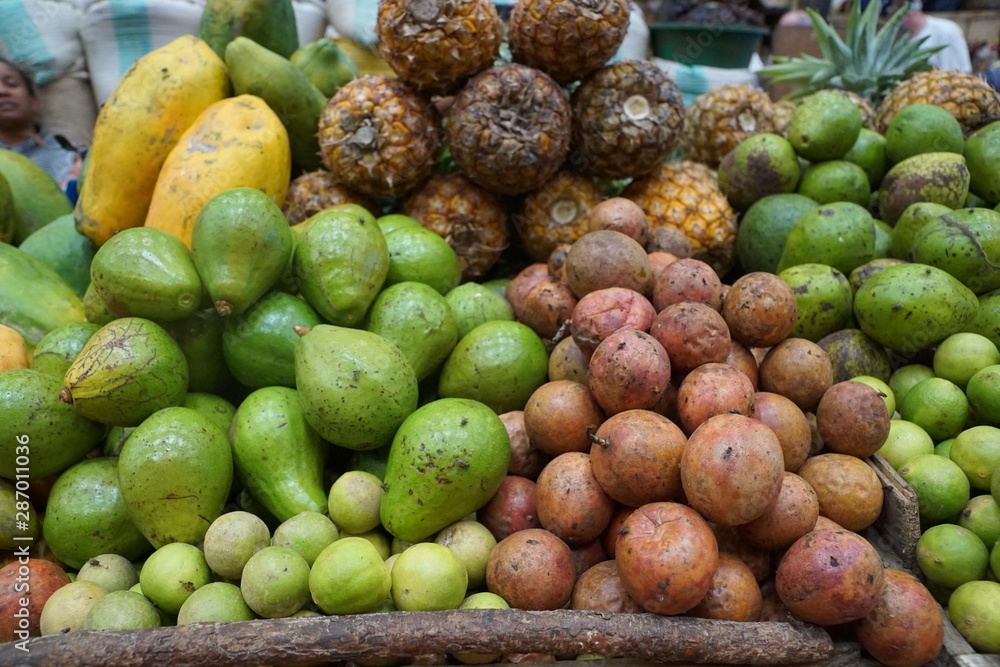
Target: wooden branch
[{"x": 294, "y": 641}]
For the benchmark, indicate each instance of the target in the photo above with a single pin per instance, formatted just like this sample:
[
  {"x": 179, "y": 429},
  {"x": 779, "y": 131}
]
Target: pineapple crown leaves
[{"x": 869, "y": 61}]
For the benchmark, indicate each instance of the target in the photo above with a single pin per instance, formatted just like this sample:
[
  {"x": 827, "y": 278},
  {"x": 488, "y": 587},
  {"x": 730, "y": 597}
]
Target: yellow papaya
[
  {"x": 13, "y": 350},
  {"x": 238, "y": 142},
  {"x": 157, "y": 99}
]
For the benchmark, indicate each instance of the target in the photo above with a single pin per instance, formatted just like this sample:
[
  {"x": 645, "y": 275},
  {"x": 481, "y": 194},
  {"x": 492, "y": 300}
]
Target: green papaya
[
  {"x": 446, "y": 460},
  {"x": 255, "y": 70},
  {"x": 325, "y": 65},
  {"x": 200, "y": 339},
  {"x": 147, "y": 272},
  {"x": 240, "y": 245},
  {"x": 64, "y": 250},
  {"x": 39, "y": 434},
  {"x": 279, "y": 457},
  {"x": 38, "y": 200},
  {"x": 270, "y": 23},
  {"x": 216, "y": 408},
  {"x": 34, "y": 300},
  {"x": 175, "y": 472},
  {"x": 95, "y": 308},
  {"x": 86, "y": 516},
  {"x": 7, "y": 213},
  {"x": 341, "y": 263},
  {"x": 356, "y": 387}
]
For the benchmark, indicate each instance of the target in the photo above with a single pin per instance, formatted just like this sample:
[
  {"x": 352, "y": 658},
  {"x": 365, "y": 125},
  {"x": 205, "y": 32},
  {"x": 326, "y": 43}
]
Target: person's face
[{"x": 17, "y": 106}]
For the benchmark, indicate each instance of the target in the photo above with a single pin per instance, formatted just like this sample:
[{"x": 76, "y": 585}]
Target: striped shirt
[{"x": 45, "y": 150}]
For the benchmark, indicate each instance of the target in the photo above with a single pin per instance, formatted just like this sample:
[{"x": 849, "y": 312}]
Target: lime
[
  {"x": 995, "y": 485},
  {"x": 349, "y": 577},
  {"x": 472, "y": 542},
  {"x": 983, "y": 392},
  {"x": 960, "y": 356},
  {"x": 995, "y": 560},
  {"x": 951, "y": 555},
  {"x": 67, "y": 608},
  {"x": 217, "y": 602},
  {"x": 172, "y": 573},
  {"x": 484, "y": 600},
  {"x": 765, "y": 227},
  {"x": 982, "y": 516},
  {"x": 977, "y": 451},
  {"x": 923, "y": 128},
  {"x": 231, "y": 540},
  {"x": 308, "y": 533},
  {"x": 123, "y": 610},
  {"x": 905, "y": 442},
  {"x": 882, "y": 388},
  {"x": 835, "y": 180},
  {"x": 354, "y": 501},
  {"x": 943, "y": 448},
  {"x": 109, "y": 571},
  {"x": 974, "y": 609},
  {"x": 868, "y": 152},
  {"x": 378, "y": 539},
  {"x": 942, "y": 488},
  {"x": 428, "y": 577},
  {"x": 417, "y": 254},
  {"x": 937, "y": 406},
  {"x": 275, "y": 582},
  {"x": 905, "y": 377}
]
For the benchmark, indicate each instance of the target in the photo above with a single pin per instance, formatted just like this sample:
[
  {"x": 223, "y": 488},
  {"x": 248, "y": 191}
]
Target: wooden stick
[{"x": 304, "y": 640}]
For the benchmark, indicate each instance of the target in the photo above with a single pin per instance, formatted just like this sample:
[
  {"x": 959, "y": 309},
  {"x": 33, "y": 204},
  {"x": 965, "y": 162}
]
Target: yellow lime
[
  {"x": 428, "y": 577},
  {"x": 942, "y": 488},
  {"x": 995, "y": 560},
  {"x": 882, "y": 388},
  {"x": 983, "y": 392},
  {"x": 951, "y": 555},
  {"x": 974, "y": 609},
  {"x": 960, "y": 356},
  {"x": 349, "y": 577},
  {"x": 354, "y": 501},
  {"x": 484, "y": 600},
  {"x": 937, "y": 406},
  {"x": 172, "y": 573},
  {"x": 943, "y": 448},
  {"x": 981, "y": 515},
  {"x": 378, "y": 539},
  {"x": 905, "y": 377},
  {"x": 308, "y": 533},
  {"x": 905, "y": 441},
  {"x": 977, "y": 451}
]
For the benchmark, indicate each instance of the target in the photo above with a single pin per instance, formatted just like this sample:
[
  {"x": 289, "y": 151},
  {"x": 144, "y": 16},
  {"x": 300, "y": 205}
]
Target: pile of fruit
[{"x": 469, "y": 337}]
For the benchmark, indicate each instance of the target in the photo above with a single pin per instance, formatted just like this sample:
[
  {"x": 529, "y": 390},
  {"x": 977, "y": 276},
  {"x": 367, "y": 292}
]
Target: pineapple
[
  {"x": 379, "y": 137},
  {"x": 436, "y": 45},
  {"x": 969, "y": 99},
  {"x": 567, "y": 39},
  {"x": 315, "y": 191},
  {"x": 889, "y": 72},
  {"x": 685, "y": 195},
  {"x": 721, "y": 118},
  {"x": 509, "y": 128},
  {"x": 627, "y": 118},
  {"x": 556, "y": 213},
  {"x": 471, "y": 219}
]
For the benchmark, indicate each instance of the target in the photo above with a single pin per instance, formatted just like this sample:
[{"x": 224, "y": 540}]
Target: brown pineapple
[
  {"x": 556, "y": 213},
  {"x": 315, "y": 191},
  {"x": 436, "y": 45},
  {"x": 969, "y": 99},
  {"x": 627, "y": 118},
  {"x": 470, "y": 218},
  {"x": 721, "y": 118},
  {"x": 379, "y": 137},
  {"x": 509, "y": 128},
  {"x": 685, "y": 195},
  {"x": 567, "y": 39}
]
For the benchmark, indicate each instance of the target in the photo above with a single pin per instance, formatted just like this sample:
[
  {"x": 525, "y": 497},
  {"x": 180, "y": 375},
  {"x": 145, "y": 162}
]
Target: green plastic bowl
[{"x": 726, "y": 46}]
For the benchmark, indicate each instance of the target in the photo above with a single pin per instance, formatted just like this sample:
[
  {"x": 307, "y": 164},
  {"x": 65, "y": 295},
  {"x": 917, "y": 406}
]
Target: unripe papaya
[
  {"x": 270, "y": 23},
  {"x": 325, "y": 65}
]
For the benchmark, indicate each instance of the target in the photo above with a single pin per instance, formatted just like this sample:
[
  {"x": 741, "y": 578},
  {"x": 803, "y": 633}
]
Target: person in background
[
  {"x": 939, "y": 32},
  {"x": 21, "y": 133}
]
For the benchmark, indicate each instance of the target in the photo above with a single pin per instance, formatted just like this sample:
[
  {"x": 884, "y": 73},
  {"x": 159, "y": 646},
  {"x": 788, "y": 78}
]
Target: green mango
[
  {"x": 910, "y": 222},
  {"x": 760, "y": 165},
  {"x": 341, "y": 262},
  {"x": 86, "y": 515},
  {"x": 147, "y": 272},
  {"x": 372, "y": 461},
  {"x": 325, "y": 65},
  {"x": 942, "y": 178},
  {"x": 40, "y": 435},
  {"x": 127, "y": 371},
  {"x": 765, "y": 227},
  {"x": 987, "y": 319},
  {"x": 255, "y": 70},
  {"x": 982, "y": 154},
  {"x": 259, "y": 345},
  {"x": 417, "y": 318},
  {"x": 18, "y": 519},
  {"x": 216, "y": 408},
  {"x": 38, "y": 199},
  {"x": 966, "y": 244},
  {"x": 356, "y": 387},
  {"x": 270, "y": 23},
  {"x": 446, "y": 460},
  {"x": 240, "y": 244},
  {"x": 911, "y": 307},
  {"x": 175, "y": 472},
  {"x": 64, "y": 250},
  {"x": 868, "y": 152},
  {"x": 8, "y": 220},
  {"x": 200, "y": 338},
  {"x": 823, "y": 296},
  {"x": 56, "y": 352},
  {"x": 841, "y": 235},
  {"x": 853, "y": 353},
  {"x": 862, "y": 273},
  {"x": 115, "y": 439},
  {"x": 279, "y": 457}
]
